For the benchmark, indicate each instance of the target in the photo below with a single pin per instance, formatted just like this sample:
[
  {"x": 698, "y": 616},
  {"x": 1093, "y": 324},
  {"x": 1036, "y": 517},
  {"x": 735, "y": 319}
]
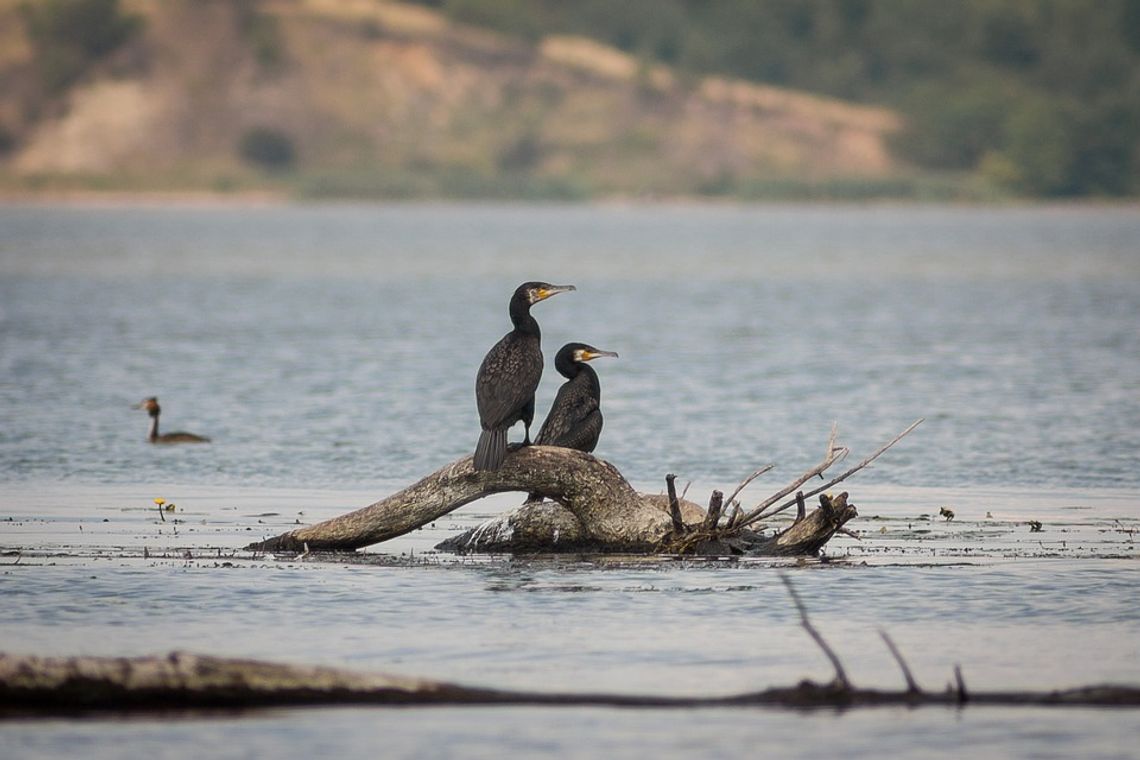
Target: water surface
[{"x": 330, "y": 353}]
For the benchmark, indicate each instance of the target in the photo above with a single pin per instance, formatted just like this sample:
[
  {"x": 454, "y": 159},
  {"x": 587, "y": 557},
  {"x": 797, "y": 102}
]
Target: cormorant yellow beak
[
  {"x": 585, "y": 356},
  {"x": 541, "y": 294}
]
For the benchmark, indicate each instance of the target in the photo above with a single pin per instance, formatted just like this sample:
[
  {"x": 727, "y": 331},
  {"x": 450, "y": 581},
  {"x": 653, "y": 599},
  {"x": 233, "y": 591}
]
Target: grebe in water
[{"x": 153, "y": 409}]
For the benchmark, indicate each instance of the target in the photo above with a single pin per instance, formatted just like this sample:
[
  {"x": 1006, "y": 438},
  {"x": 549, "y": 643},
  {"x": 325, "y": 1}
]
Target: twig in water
[
  {"x": 840, "y": 675},
  {"x": 911, "y": 685},
  {"x": 963, "y": 697},
  {"x": 685, "y": 490}
]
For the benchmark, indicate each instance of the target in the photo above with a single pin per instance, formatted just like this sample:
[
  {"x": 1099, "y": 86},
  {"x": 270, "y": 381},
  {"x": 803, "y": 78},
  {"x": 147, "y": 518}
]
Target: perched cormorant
[
  {"x": 153, "y": 409},
  {"x": 575, "y": 419},
  {"x": 509, "y": 375}
]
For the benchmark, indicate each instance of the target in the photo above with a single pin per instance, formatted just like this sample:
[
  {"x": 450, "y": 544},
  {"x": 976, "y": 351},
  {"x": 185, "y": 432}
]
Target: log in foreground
[
  {"x": 61, "y": 685},
  {"x": 36, "y": 686},
  {"x": 592, "y": 508}
]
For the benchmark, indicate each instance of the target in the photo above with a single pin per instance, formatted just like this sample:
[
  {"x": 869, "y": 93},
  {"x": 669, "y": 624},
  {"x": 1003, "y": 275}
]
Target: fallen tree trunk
[
  {"x": 596, "y": 510},
  {"x": 66, "y": 685},
  {"x": 593, "y": 508}
]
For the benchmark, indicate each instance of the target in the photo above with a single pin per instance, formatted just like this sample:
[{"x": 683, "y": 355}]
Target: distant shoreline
[{"x": 253, "y": 199}]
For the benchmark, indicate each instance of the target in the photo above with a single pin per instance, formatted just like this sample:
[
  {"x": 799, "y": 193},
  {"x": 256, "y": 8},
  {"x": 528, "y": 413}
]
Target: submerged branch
[
  {"x": 840, "y": 674},
  {"x": 911, "y": 684}
]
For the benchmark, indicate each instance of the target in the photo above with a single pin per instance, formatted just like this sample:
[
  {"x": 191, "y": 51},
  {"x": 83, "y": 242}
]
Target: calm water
[{"x": 330, "y": 353}]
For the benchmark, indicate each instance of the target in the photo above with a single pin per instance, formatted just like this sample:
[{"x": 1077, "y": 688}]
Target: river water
[{"x": 330, "y": 352}]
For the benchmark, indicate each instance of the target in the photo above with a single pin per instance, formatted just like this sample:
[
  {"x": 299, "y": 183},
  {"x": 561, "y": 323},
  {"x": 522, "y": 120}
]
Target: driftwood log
[
  {"x": 33, "y": 686},
  {"x": 65, "y": 685},
  {"x": 592, "y": 508}
]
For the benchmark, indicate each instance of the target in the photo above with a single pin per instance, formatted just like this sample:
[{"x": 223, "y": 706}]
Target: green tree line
[{"x": 1040, "y": 96}]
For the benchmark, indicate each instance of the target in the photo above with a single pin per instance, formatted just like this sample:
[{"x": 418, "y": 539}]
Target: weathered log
[
  {"x": 596, "y": 510},
  {"x": 66, "y": 685},
  {"x": 612, "y": 515}
]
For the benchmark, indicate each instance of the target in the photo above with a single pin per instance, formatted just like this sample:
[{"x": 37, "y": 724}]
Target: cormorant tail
[{"x": 491, "y": 449}]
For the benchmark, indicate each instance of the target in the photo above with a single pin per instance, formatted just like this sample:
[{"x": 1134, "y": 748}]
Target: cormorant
[
  {"x": 509, "y": 375},
  {"x": 575, "y": 419},
  {"x": 153, "y": 409}
]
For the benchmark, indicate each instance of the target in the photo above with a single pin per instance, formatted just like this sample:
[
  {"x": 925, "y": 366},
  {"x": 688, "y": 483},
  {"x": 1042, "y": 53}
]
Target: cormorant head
[
  {"x": 533, "y": 292},
  {"x": 584, "y": 353},
  {"x": 150, "y": 405},
  {"x": 577, "y": 353}
]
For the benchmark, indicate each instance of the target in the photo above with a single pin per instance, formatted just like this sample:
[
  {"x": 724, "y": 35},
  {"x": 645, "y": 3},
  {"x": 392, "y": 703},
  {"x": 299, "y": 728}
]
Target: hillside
[
  {"x": 363, "y": 98},
  {"x": 1040, "y": 97}
]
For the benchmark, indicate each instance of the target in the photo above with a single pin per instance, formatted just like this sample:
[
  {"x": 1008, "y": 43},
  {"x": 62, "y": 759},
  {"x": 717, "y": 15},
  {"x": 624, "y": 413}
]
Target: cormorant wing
[
  {"x": 506, "y": 382},
  {"x": 574, "y": 422}
]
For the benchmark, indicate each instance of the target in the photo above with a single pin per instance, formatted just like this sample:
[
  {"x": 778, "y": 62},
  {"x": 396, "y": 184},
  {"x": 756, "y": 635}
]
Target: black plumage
[
  {"x": 575, "y": 417},
  {"x": 509, "y": 375}
]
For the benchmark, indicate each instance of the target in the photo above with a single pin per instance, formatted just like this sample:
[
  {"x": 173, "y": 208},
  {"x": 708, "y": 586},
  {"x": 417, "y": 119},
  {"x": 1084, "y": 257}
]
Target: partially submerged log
[
  {"x": 593, "y": 509},
  {"x": 36, "y": 686},
  {"x": 32, "y": 685}
]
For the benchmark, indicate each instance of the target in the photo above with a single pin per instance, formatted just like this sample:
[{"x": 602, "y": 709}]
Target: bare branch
[
  {"x": 840, "y": 675},
  {"x": 744, "y": 483},
  {"x": 674, "y": 505},
  {"x": 963, "y": 697},
  {"x": 712, "y": 517},
  {"x": 911, "y": 684},
  {"x": 879, "y": 452},
  {"x": 759, "y": 514},
  {"x": 833, "y": 455}
]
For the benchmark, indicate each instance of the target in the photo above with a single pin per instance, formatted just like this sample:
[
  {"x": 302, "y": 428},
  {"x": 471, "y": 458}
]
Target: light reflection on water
[{"x": 333, "y": 349}]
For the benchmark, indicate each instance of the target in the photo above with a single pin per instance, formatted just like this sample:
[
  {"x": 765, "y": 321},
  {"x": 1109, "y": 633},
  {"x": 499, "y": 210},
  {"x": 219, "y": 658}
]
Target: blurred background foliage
[
  {"x": 68, "y": 35},
  {"x": 1037, "y": 98},
  {"x": 1042, "y": 96}
]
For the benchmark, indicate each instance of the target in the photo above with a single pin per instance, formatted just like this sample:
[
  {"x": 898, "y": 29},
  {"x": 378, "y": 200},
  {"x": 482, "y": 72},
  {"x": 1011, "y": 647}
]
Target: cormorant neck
[
  {"x": 585, "y": 374},
  {"x": 566, "y": 366},
  {"x": 153, "y": 434},
  {"x": 521, "y": 318}
]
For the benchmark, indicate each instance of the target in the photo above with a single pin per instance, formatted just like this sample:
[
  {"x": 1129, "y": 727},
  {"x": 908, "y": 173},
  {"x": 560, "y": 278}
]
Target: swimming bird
[
  {"x": 509, "y": 375},
  {"x": 575, "y": 417},
  {"x": 153, "y": 409}
]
